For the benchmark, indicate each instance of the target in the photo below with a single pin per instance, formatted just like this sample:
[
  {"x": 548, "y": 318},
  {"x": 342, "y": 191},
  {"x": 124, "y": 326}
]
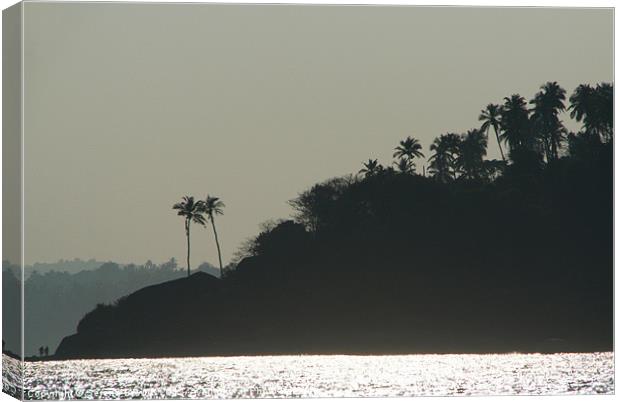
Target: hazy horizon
[{"x": 129, "y": 107}]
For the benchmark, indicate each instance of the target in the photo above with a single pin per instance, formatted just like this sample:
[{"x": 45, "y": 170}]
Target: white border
[{"x": 480, "y": 3}]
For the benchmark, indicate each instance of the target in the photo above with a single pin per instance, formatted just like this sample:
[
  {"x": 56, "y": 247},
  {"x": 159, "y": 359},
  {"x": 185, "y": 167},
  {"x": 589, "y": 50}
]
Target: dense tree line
[
  {"x": 534, "y": 136},
  {"x": 539, "y": 150}
]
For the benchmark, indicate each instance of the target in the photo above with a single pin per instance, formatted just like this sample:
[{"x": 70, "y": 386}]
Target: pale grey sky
[{"x": 128, "y": 107}]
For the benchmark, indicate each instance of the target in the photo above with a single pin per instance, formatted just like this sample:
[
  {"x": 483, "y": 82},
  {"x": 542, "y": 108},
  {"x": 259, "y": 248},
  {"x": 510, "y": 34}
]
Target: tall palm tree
[
  {"x": 490, "y": 117},
  {"x": 515, "y": 125},
  {"x": 548, "y": 104},
  {"x": 192, "y": 211},
  {"x": 213, "y": 206},
  {"x": 409, "y": 148},
  {"x": 371, "y": 168}
]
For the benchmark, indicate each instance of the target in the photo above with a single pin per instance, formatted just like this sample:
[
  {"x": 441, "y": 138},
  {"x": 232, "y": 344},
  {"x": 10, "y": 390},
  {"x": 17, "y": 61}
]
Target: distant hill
[
  {"x": 11, "y": 311},
  {"x": 70, "y": 266},
  {"x": 55, "y": 300},
  {"x": 209, "y": 269}
]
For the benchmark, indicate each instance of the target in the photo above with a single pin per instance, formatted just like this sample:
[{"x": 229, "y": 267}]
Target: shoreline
[{"x": 524, "y": 352}]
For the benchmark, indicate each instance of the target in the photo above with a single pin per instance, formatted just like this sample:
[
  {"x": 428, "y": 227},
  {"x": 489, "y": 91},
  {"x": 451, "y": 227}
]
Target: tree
[
  {"x": 548, "y": 104},
  {"x": 313, "y": 207},
  {"x": 442, "y": 162},
  {"x": 408, "y": 148},
  {"x": 404, "y": 165},
  {"x": 594, "y": 105},
  {"x": 213, "y": 206},
  {"x": 371, "y": 168},
  {"x": 490, "y": 116},
  {"x": 492, "y": 169},
  {"x": 515, "y": 125},
  {"x": 605, "y": 100},
  {"x": 472, "y": 150},
  {"x": 192, "y": 212}
]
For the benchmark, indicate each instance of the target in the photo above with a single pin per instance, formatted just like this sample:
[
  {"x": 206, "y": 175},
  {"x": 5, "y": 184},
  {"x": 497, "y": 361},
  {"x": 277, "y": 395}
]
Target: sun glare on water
[{"x": 320, "y": 376}]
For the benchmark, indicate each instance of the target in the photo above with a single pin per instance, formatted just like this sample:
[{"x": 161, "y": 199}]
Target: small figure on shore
[
  {"x": 47, "y": 351},
  {"x": 41, "y": 351}
]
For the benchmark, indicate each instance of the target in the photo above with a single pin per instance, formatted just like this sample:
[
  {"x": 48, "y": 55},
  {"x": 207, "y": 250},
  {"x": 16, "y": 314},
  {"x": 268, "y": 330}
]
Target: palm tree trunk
[
  {"x": 217, "y": 243},
  {"x": 499, "y": 144},
  {"x": 548, "y": 151},
  {"x": 188, "y": 247}
]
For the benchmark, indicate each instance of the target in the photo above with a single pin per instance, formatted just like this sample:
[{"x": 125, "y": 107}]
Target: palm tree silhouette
[
  {"x": 192, "y": 211},
  {"x": 404, "y": 165},
  {"x": 493, "y": 168},
  {"x": 605, "y": 106},
  {"x": 472, "y": 150},
  {"x": 581, "y": 103},
  {"x": 515, "y": 124},
  {"x": 548, "y": 104},
  {"x": 213, "y": 206},
  {"x": 490, "y": 116},
  {"x": 371, "y": 168},
  {"x": 442, "y": 162},
  {"x": 595, "y": 107},
  {"x": 408, "y": 148}
]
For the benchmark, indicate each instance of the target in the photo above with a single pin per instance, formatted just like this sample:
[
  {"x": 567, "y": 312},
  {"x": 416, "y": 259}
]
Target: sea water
[{"x": 320, "y": 376}]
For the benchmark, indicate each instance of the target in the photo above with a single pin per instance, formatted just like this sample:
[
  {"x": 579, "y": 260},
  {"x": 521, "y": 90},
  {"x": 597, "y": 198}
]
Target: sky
[{"x": 129, "y": 107}]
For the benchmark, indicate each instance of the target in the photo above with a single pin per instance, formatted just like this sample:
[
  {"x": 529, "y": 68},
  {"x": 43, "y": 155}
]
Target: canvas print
[{"x": 219, "y": 201}]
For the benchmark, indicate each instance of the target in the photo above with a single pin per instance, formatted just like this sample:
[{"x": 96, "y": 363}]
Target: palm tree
[
  {"x": 371, "y": 168},
  {"x": 493, "y": 168},
  {"x": 490, "y": 116},
  {"x": 442, "y": 162},
  {"x": 192, "y": 211},
  {"x": 548, "y": 104},
  {"x": 408, "y": 148},
  {"x": 595, "y": 107},
  {"x": 605, "y": 103},
  {"x": 515, "y": 125},
  {"x": 581, "y": 104},
  {"x": 472, "y": 150},
  {"x": 404, "y": 165},
  {"x": 213, "y": 206}
]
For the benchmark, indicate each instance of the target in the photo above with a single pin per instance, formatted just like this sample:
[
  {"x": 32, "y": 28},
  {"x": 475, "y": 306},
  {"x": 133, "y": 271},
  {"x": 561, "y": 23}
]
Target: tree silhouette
[
  {"x": 404, "y": 165},
  {"x": 490, "y": 116},
  {"x": 594, "y": 105},
  {"x": 515, "y": 125},
  {"x": 492, "y": 169},
  {"x": 192, "y": 212},
  {"x": 605, "y": 101},
  {"x": 472, "y": 150},
  {"x": 408, "y": 148},
  {"x": 443, "y": 161},
  {"x": 371, "y": 168},
  {"x": 548, "y": 104},
  {"x": 213, "y": 206}
]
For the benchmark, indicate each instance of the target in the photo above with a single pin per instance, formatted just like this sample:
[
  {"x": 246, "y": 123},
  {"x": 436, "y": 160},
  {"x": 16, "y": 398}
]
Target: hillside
[{"x": 396, "y": 263}]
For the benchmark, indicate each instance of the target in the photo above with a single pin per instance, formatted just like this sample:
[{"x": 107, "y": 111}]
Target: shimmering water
[{"x": 321, "y": 376}]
